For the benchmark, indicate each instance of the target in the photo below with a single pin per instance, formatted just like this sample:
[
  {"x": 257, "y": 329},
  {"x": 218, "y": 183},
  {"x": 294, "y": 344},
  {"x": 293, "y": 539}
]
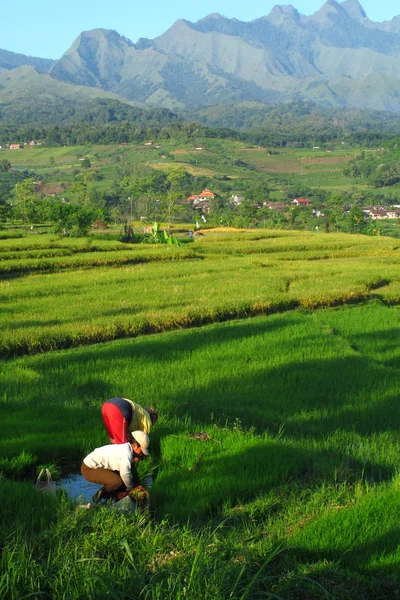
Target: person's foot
[{"x": 96, "y": 499}]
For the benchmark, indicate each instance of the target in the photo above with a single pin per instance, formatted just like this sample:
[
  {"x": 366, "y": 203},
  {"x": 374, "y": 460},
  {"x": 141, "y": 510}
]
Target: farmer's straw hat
[{"x": 143, "y": 440}]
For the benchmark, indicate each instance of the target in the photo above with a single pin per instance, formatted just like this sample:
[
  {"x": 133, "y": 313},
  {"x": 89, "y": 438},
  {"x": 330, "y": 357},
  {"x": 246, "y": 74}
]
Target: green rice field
[
  {"x": 279, "y": 348},
  {"x": 316, "y": 168}
]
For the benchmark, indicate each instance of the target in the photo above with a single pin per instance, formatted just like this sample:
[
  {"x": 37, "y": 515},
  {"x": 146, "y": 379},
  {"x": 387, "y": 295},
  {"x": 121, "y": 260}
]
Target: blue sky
[{"x": 47, "y": 28}]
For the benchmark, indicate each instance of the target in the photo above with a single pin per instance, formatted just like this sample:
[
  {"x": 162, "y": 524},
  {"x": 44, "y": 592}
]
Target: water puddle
[
  {"x": 78, "y": 488},
  {"x": 81, "y": 491}
]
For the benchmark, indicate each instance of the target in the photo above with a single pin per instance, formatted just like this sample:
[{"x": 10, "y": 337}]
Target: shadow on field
[
  {"x": 316, "y": 387},
  {"x": 54, "y": 434},
  {"x": 379, "y": 556},
  {"x": 220, "y": 476},
  {"x": 24, "y": 324},
  {"x": 200, "y": 490},
  {"x": 179, "y": 343},
  {"x": 384, "y": 346},
  {"x": 302, "y": 399}
]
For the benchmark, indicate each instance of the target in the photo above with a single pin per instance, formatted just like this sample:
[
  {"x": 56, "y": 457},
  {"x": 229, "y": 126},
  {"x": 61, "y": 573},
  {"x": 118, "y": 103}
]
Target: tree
[
  {"x": 85, "y": 163},
  {"x": 179, "y": 180},
  {"x": 81, "y": 188},
  {"x": 356, "y": 219},
  {"x": 74, "y": 220},
  {"x": 5, "y": 166},
  {"x": 169, "y": 207},
  {"x": 26, "y": 199}
]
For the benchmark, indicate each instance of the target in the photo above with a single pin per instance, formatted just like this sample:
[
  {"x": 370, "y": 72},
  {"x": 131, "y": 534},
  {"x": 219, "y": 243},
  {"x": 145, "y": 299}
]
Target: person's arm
[
  {"x": 134, "y": 476},
  {"x": 125, "y": 472}
]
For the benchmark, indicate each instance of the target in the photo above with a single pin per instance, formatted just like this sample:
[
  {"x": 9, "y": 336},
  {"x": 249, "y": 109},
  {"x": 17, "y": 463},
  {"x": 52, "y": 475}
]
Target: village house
[
  {"x": 16, "y": 147},
  {"x": 50, "y": 189},
  {"x": 301, "y": 202},
  {"x": 201, "y": 205},
  {"x": 379, "y": 212},
  {"x": 237, "y": 200},
  {"x": 275, "y": 205},
  {"x": 204, "y": 195},
  {"x": 201, "y": 201}
]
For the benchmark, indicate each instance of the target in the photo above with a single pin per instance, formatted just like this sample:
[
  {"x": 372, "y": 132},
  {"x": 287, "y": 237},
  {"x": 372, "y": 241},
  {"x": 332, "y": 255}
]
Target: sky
[{"x": 47, "y": 28}]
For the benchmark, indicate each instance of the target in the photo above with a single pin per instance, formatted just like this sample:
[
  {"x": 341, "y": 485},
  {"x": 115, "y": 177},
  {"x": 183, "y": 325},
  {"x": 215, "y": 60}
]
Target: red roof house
[
  {"x": 206, "y": 194},
  {"x": 302, "y": 202}
]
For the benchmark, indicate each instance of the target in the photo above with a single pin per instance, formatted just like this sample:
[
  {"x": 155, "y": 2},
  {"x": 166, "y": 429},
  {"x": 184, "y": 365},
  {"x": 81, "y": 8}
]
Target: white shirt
[{"x": 115, "y": 457}]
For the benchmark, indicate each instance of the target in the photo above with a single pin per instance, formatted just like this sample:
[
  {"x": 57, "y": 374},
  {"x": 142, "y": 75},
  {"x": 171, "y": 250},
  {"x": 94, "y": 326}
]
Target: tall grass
[
  {"x": 301, "y": 453},
  {"x": 179, "y": 290},
  {"x": 291, "y": 489}
]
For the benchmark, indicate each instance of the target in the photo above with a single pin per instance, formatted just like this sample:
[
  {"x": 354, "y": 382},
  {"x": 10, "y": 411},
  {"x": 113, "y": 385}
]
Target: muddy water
[
  {"x": 78, "y": 488},
  {"x": 82, "y": 491}
]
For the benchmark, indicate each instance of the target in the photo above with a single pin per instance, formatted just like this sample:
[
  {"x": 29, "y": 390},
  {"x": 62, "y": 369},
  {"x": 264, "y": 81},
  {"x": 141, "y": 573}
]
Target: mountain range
[{"x": 337, "y": 57}]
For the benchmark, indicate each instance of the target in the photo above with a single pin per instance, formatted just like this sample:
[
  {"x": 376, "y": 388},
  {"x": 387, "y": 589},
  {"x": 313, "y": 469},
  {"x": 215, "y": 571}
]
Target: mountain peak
[
  {"x": 329, "y": 5},
  {"x": 212, "y": 17},
  {"x": 109, "y": 35},
  {"x": 281, "y": 11},
  {"x": 354, "y": 9},
  {"x": 329, "y": 9}
]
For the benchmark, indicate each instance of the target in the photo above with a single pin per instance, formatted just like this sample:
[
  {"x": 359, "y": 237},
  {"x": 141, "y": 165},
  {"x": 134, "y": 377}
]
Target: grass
[
  {"x": 293, "y": 490},
  {"x": 145, "y": 289},
  {"x": 217, "y": 159},
  {"x": 300, "y": 408}
]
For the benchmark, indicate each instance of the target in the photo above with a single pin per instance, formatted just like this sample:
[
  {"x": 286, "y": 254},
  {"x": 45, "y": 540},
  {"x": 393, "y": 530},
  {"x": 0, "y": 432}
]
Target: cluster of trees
[
  {"x": 301, "y": 123},
  {"x": 51, "y": 109},
  {"x": 107, "y": 126},
  {"x": 379, "y": 170},
  {"x": 138, "y": 191},
  {"x": 328, "y": 215},
  {"x": 155, "y": 195},
  {"x": 29, "y": 208}
]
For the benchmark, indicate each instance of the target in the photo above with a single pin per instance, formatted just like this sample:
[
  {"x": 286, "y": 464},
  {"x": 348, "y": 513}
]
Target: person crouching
[{"x": 111, "y": 465}]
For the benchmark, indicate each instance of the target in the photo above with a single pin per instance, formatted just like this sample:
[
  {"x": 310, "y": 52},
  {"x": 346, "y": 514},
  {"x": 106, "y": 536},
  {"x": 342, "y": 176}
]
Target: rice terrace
[
  {"x": 273, "y": 360},
  {"x": 200, "y": 309}
]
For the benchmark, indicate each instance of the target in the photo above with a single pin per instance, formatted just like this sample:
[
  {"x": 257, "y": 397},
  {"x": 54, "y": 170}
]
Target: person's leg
[
  {"x": 115, "y": 423},
  {"x": 110, "y": 480}
]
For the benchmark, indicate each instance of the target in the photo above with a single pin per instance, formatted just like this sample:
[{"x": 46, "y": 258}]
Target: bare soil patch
[{"x": 325, "y": 160}]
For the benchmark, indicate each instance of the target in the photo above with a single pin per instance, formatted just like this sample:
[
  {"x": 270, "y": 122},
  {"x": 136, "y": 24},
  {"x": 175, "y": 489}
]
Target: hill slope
[
  {"x": 29, "y": 97},
  {"x": 12, "y": 60},
  {"x": 337, "y": 57}
]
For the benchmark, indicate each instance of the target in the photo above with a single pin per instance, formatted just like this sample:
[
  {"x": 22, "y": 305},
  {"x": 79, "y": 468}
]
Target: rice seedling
[
  {"x": 275, "y": 457},
  {"x": 115, "y": 302}
]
